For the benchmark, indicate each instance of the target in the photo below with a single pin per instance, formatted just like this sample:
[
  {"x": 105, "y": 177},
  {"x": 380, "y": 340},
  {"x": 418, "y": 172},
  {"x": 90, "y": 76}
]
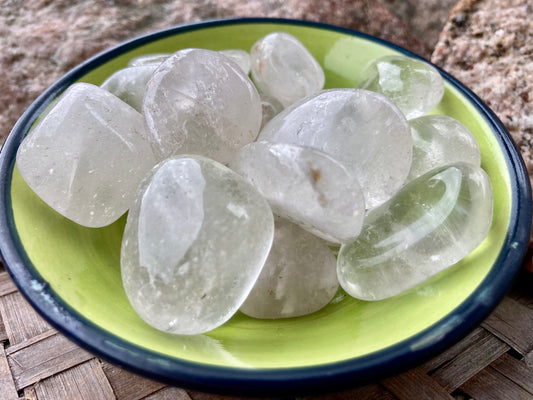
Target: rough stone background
[
  {"x": 488, "y": 45},
  {"x": 40, "y": 39}
]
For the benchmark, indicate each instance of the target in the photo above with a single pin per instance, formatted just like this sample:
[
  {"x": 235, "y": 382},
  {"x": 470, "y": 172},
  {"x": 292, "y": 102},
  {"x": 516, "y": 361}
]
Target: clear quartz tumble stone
[
  {"x": 361, "y": 129},
  {"x": 431, "y": 224},
  {"x": 200, "y": 102},
  {"x": 195, "y": 242},
  {"x": 415, "y": 86},
  {"x": 283, "y": 68},
  {"x": 87, "y": 155},
  {"x": 299, "y": 276},
  {"x": 440, "y": 140},
  {"x": 305, "y": 186},
  {"x": 129, "y": 84}
]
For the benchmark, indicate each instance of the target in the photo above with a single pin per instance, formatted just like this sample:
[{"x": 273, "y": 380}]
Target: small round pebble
[
  {"x": 361, "y": 129},
  {"x": 431, "y": 224},
  {"x": 299, "y": 276},
  {"x": 148, "y": 59},
  {"x": 240, "y": 57},
  {"x": 283, "y": 68},
  {"x": 415, "y": 86},
  {"x": 305, "y": 186},
  {"x": 195, "y": 242}
]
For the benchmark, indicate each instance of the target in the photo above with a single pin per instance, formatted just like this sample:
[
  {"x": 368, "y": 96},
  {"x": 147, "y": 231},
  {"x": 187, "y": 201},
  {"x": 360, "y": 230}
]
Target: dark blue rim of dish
[{"x": 313, "y": 379}]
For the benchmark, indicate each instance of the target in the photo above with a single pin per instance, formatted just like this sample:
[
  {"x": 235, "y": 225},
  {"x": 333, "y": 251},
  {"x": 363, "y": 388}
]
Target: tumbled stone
[
  {"x": 194, "y": 244},
  {"x": 361, "y": 129},
  {"x": 87, "y": 155},
  {"x": 299, "y": 276},
  {"x": 415, "y": 86},
  {"x": 271, "y": 107},
  {"x": 439, "y": 140},
  {"x": 129, "y": 84},
  {"x": 199, "y": 102},
  {"x": 240, "y": 57},
  {"x": 148, "y": 59},
  {"x": 283, "y": 68},
  {"x": 431, "y": 224},
  {"x": 305, "y": 186}
]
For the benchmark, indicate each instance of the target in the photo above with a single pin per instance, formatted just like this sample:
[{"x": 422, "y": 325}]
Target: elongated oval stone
[
  {"x": 129, "y": 84},
  {"x": 299, "y": 276},
  {"x": 305, "y": 186},
  {"x": 283, "y": 68},
  {"x": 431, "y": 224},
  {"x": 200, "y": 102},
  {"x": 361, "y": 129},
  {"x": 87, "y": 155},
  {"x": 439, "y": 140},
  {"x": 415, "y": 86},
  {"x": 194, "y": 244}
]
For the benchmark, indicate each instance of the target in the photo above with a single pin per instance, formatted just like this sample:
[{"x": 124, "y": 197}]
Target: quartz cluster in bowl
[{"x": 240, "y": 190}]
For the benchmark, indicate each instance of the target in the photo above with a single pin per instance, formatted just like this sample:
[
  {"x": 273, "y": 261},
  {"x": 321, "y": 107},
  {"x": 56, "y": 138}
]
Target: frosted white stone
[
  {"x": 271, "y": 107},
  {"x": 415, "y": 86},
  {"x": 240, "y": 57},
  {"x": 87, "y": 155},
  {"x": 431, "y": 224},
  {"x": 305, "y": 186},
  {"x": 299, "y": 276},
  {"x": 439, "y": 140},
  {"x": 129, "y": 84},
  {"x": 282, "y": 67},
  {"x": 148, "y": 59},
  {"x": 195, "y": 242},
  {"x": 363, "y": 130},
  {"x": 199, "y": 102}
]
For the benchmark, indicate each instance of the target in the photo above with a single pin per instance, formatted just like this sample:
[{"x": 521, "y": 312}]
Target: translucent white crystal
[
  {"x": 129, "y": 84},
  {"x": 271, "y": 107},
  {"x": 194, "y": 244},
  {"x": 299, "y": 276},
  {"x": 363, "y": 130},
  {"x": 199, "y": 102},
  {"x": 282, "y": 67},
  {"x": 439, "y": 140},
  {"x": 87, "y": 155},
  {"x": 306, "y": 186},
  {"x": 240, "y": 57},
  {"x": 415, "y": 86},
  {"x": 431, "y": 224},
  {"x": 148, "y": 59}
]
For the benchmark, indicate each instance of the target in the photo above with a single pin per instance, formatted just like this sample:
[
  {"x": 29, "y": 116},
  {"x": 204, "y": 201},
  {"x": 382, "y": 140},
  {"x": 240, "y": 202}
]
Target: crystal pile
[
  {"x": 86, "y": 156},
  {"x": 361, "y": 129},
  {"x": 280, "y": 291},
  {"x": 431, "y": 224},
  {"x": 196, "y": 240},
  {"x": 200, "y": 102},
  {"x": 365, "y": 168}
]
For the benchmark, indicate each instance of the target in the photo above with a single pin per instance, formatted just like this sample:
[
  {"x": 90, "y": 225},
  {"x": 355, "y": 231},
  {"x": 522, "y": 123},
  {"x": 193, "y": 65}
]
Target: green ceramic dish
[{"x": 71, "y": 274}]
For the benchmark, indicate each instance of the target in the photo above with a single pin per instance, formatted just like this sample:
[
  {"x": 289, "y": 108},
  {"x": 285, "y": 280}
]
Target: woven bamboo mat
[{"x": 495, "y": 361}]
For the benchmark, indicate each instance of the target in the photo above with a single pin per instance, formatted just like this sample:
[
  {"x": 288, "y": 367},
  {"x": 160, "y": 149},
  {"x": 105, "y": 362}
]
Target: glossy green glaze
[{"x": 82, "y": 266}]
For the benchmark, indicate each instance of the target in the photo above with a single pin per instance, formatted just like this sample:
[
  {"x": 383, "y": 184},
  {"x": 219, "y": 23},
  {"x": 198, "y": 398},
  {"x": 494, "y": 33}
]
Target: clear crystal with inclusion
[
  {"x": 299, "y": 276},
  {"x": 200, "y": 102},
  {"x": 415, "y": 86},
  {"x": 361, "y": 129},
  {"x": 87, "y": 155},
  {"x": 432, "y": 223},
  {"x": 282, "y": 67},
  {"x": 195, "y": 242},
  {"x": 129, "y": 84},
  {"x": 439, "y": 140},
  {"x": 305, "y": 186}
]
